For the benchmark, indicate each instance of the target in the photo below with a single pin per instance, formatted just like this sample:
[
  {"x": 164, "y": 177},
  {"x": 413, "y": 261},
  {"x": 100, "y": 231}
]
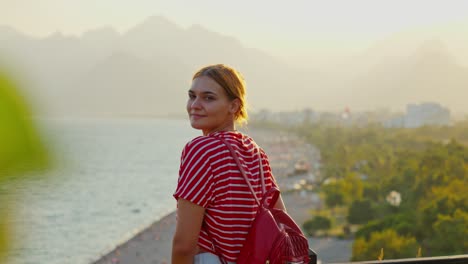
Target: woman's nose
[{"x": 195, "y": 103}]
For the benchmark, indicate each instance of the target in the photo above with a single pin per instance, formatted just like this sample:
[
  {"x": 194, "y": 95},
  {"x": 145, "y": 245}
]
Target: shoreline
[{"x": 150, "y": 245}]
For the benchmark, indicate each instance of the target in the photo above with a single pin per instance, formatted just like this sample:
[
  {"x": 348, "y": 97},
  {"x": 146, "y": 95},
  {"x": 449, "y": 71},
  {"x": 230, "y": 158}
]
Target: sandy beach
[{"x": 153, "y": 244}]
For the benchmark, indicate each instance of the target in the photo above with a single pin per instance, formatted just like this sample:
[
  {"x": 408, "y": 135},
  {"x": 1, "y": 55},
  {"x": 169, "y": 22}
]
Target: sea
[{"x": 110, "y": 179}]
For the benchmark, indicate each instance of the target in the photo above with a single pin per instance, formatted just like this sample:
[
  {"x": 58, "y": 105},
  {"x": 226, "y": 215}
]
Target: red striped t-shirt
[{"x": 209, "y": 177}]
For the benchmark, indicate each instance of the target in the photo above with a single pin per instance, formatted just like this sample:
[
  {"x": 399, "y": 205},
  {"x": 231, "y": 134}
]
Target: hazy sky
[{"x": 285, "y": 28}]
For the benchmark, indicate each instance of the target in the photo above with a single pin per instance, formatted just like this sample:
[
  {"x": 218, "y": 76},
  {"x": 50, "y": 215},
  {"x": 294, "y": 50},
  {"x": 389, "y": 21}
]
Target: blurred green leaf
[{"x": 21, "y": 148}]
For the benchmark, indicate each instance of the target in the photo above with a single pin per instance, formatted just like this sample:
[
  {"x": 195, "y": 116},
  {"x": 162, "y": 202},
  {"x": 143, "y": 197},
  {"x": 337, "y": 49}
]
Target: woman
[{"x": 215, "y": 207}]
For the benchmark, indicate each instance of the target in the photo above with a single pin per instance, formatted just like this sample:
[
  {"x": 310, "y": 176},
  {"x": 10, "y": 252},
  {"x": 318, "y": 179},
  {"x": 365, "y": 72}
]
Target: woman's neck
[{"x": 227, "y": 127}]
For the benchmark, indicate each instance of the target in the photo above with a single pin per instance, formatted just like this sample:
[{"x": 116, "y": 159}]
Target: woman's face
[{"x": 209, "y": 107}]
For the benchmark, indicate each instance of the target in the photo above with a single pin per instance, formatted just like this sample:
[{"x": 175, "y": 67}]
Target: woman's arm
[
  {"x": 189, "y": 222},
  {"x": 280, "y": 204}
]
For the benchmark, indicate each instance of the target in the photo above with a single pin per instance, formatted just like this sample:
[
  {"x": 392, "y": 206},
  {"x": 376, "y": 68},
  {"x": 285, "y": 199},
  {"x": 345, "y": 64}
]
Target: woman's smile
[
  {"x": 196, "y": 116},
  {"x": 208, "y": 106}
]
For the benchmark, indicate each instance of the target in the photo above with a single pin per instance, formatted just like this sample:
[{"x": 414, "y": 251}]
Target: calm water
[{"x": 113, "y": 178}]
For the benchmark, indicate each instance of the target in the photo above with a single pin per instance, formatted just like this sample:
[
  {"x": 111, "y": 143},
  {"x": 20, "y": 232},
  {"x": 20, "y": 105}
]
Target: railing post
[{"x": 312, "y": 256}]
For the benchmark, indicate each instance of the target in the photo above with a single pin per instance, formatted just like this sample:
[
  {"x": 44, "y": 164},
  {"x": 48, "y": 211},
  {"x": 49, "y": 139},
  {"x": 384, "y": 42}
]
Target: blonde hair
[{"x": 232, "y": 82}]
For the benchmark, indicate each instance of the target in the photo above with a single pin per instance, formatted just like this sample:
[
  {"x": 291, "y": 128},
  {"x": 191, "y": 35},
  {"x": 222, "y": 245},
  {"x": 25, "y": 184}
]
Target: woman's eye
[
  {"x": 191, "y": 96},
  {"x": 209, "y": 98}
]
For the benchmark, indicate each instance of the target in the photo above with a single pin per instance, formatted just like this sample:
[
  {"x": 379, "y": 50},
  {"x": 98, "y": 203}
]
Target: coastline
[{"x": 151, "y": 245}]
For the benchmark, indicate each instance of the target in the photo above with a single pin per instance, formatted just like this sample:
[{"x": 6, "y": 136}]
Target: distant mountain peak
[
  {"x": 9, "y": 32},
  {"x": 433, "y": 51},
  {"x": 7, "y": 29},
  {"x": 58, "y": 35},
  {"x": 197, "y": 27},
  {"x": 433, "y": 45},
  {"x": 155, "y": 23},
  {"x": 106, "y": 30}
]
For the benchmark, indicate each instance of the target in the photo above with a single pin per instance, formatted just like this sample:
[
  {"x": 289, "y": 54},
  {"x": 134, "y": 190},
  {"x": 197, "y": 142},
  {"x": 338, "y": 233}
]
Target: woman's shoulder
[
  {"x": 201, "y": 147},
  {"x": 216, "y": 139},
  {"x": 202, "y": 142}
]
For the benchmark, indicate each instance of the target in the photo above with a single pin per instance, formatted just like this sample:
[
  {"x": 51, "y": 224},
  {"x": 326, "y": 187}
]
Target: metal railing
[{"x": 456, "y": 259}]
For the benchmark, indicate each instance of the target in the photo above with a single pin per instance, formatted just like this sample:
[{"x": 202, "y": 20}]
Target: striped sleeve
[
  {"x": 196, "y": 182},
  {"x": 270, "y": 177}
]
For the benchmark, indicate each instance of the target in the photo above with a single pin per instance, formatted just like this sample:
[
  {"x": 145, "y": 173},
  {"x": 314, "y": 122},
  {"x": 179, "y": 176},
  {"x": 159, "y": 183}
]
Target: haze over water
[
  {"x": 114, "y": 178},
  {"x": 121, "y": 59}
]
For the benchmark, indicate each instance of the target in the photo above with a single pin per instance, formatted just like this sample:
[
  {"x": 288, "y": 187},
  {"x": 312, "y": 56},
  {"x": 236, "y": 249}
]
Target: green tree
[
  {"x": 352, "y": 188},
  {"x": 440, "y": 165},
  {"x": 318, "y": 223},
  {"x": 450, "y": 233},
  {"x": 360, "y": 212},
  {"x": 402, "y": 223},
  {"x": 442, "y": 200},
  {"x": 393, "y": 245},
  {"x": 333, "y": 194}
]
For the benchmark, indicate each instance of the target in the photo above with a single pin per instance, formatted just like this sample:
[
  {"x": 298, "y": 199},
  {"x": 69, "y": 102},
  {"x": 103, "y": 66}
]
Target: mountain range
[{"x": 146, "y": 71}]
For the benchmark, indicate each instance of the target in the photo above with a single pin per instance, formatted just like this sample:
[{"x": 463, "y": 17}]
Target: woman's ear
[{"x": 235, "y": 106}]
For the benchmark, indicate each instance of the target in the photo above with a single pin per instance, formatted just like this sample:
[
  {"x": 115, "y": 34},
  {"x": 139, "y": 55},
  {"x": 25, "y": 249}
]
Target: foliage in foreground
[{"x": 21, "y": 149}]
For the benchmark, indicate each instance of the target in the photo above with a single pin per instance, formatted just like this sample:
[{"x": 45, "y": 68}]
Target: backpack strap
[
  {"x": 272, "y": 191},
  {"x": 261, "y": 170},
  {"x": 236, "y": 159}
]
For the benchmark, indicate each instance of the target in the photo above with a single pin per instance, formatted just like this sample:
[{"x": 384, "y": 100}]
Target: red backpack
[{"x": 274, "y": 237}]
